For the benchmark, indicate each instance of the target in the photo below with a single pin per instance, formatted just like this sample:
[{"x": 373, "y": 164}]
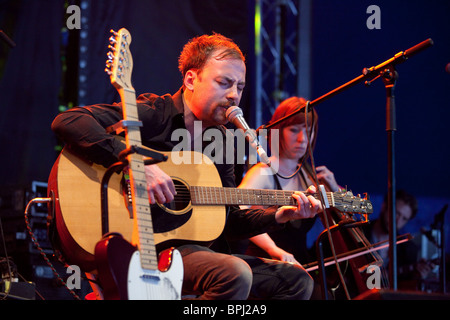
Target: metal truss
[{"x": 282, "y": 53}]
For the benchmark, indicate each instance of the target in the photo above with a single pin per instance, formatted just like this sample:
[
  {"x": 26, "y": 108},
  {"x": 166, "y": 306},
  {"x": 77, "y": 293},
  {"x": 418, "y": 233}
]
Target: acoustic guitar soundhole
[
  {"x": 182, "y": 201},
  {"x": 170, "y": 216},
  {"x": 167, "y": 216}
]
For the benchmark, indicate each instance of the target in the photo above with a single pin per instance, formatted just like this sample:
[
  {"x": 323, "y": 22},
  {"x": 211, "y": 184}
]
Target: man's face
[{"x": 218, "y": 86}]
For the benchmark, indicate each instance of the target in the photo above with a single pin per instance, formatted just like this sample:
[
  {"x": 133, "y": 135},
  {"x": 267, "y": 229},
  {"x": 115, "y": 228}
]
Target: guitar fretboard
[
  {"x": 235, "y": 196},
  {"x": 146, "y": 242},
  {"x": 141, "y": 208}
]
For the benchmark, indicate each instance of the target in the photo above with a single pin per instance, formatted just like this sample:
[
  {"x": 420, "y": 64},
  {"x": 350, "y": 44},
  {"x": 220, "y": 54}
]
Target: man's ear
[{"x": 189, "y": 79}]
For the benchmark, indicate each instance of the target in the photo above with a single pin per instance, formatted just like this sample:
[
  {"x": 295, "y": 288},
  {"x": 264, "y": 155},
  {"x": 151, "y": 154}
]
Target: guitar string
[
  {"x": 221, "y": 191},
  {"x": 241, "y": 192},
  {"x": 184, "y": 194}
]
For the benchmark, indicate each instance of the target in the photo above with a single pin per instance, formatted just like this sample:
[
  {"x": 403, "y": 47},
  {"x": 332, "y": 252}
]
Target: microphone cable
[{"x": 41, "y": 251}]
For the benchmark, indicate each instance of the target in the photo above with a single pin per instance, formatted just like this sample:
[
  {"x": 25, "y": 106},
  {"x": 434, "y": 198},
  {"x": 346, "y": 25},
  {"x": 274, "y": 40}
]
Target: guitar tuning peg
[
  {"x": 110, "y": 55},
  {"x": 112, "y": 48},
  {"x": 113, "y": 32},
  {"x": 112, "y": 40},
  {"x": 108, "y": 71}
]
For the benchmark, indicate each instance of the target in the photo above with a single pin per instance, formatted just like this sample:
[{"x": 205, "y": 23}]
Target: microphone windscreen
[{"x": 233, "y": 112}]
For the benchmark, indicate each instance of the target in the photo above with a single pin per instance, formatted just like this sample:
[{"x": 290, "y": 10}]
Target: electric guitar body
[{"x": 123, "y": 278}]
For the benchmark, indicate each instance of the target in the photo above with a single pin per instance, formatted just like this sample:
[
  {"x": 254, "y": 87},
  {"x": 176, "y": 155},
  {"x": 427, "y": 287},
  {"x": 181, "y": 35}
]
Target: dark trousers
[{"x": 215, "y": 276}]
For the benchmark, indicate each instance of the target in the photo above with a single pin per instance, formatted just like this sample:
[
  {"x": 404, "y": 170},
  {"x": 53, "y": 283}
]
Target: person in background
[
  {"x": 410, "y": 268},
  {"x": 294, "y": 173}
]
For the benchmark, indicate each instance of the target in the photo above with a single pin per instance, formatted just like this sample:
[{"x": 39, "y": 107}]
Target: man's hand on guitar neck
[
  {"x": 307, "y": 207},
  {"x": 159, "y": 185},
  {"x": 162, "y": 190}
]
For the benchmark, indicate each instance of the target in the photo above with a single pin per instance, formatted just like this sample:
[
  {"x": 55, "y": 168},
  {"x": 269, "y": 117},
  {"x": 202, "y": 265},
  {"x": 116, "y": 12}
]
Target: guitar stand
[{"x": 154, "y": 157}]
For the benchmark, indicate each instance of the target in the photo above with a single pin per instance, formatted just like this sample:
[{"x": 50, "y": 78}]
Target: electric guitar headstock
[{"x": 119, "y": 65}]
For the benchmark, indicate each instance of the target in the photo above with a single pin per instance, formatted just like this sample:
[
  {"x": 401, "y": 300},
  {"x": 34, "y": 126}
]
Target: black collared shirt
[{"x": 83, "y": 130}]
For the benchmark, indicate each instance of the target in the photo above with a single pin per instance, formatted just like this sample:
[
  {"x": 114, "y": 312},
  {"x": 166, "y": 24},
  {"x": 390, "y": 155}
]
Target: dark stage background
[{"x": 40, "y": 74}]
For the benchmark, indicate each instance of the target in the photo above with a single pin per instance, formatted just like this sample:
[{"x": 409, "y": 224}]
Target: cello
[{"x": 344, "y": 235}]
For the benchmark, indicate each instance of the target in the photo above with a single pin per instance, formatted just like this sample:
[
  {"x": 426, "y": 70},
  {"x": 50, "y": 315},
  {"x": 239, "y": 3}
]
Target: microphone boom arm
[{"x": 368, "y": 74}]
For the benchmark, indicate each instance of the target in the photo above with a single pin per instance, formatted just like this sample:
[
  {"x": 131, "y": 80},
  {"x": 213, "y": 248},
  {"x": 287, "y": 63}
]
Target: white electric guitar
[{"x": 132, "y": 271}]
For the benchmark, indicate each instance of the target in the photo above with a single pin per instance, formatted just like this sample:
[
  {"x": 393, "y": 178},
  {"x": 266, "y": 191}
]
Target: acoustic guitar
[{"x": 197, "y": 214}]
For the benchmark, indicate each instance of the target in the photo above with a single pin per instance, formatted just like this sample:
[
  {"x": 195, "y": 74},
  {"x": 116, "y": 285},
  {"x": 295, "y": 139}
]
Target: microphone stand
[
  {"x": 439, "y": 223},
  {"x": 386, "y": 71},
  {"x": 389, "y": 75}
]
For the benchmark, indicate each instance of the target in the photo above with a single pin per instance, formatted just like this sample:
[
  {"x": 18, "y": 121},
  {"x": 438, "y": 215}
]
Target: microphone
[{"x": 235, "y": 115}]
